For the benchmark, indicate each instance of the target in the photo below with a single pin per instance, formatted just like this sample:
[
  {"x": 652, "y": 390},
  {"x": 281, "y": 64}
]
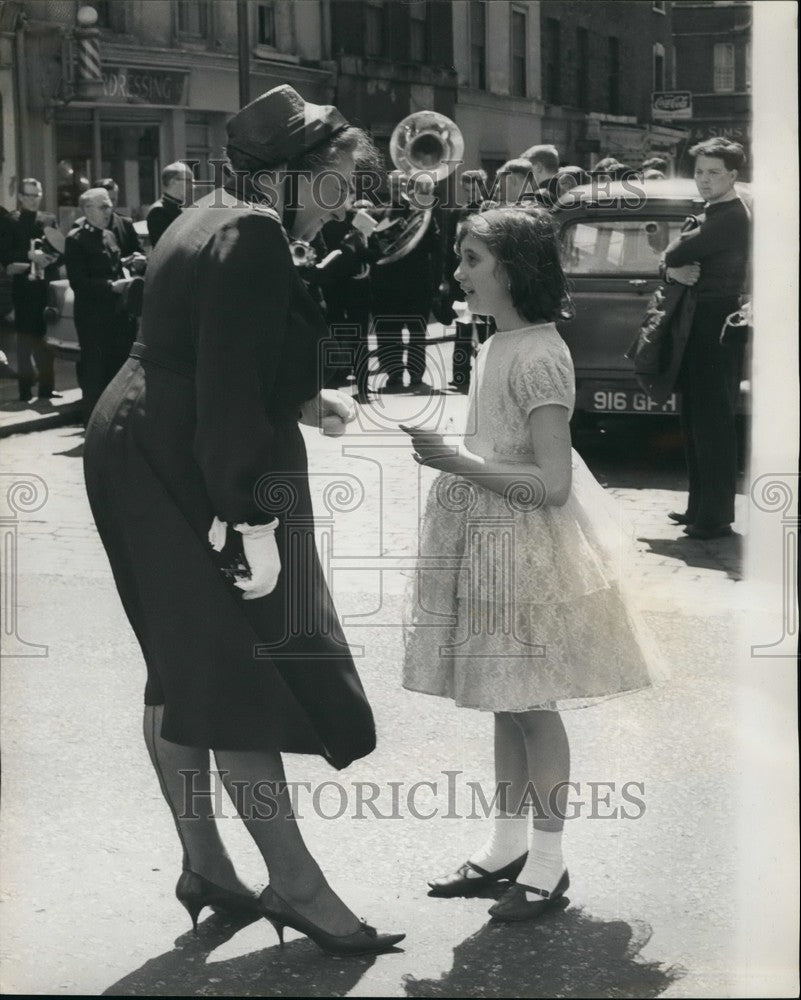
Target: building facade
[
  {"x": 600, "y": 63},
  {"x": 168, "y": 82},
  {"x": 392, "y": 59},
  {"x": 499, "y": 109},
  {"x": 713, "y": 61}
]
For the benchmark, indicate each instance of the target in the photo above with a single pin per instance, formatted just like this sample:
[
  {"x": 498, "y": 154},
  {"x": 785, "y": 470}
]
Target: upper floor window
[
  {"x": 613, "y": 79},
  {"x": 193, "y": 18},
  {"x": 582, "y": 67},
  {"x": 374, "y": 28},
  {"x": 265, "y": 24},
  {"x": 478, "y": 44},
  {"x": 418, "y": 30},
  {"x": 553, "y": 61},
  {"x": 659, "y": 67},
  {"x": 110, "y": 14},
  {"x": 723, "y": 68},
  {"x": 747, "y": 65},
  {"x": 518, "y": 53}
]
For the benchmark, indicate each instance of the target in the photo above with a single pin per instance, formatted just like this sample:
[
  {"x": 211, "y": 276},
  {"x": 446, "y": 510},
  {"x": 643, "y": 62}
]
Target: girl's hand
[{"x": 437, "y": 451}]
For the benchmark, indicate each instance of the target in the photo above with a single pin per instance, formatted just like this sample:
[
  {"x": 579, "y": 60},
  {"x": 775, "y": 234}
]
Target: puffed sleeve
[
  {"x": 243, "y": 280},
  {"x": 539, "y": 379}
]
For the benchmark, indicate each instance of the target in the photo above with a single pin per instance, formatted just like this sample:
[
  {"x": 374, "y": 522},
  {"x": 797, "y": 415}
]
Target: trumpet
[{"x": 303, "y": 253}]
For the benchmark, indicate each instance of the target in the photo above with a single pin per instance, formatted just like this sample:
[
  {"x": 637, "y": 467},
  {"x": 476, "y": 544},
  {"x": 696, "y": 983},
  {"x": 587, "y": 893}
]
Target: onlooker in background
[
  {"x": 570, "y": 177},
  {"x": 711, "y": 368},
  {"x": 401, "y": 294},
  {"x": 177, "y": 190},
  {"x": 652, "y": 175},
  {"x": 516, "y": 182},
  {"x": 121, "y": 225},
  {"x": 545, "y": 164},
  {"x": 33, "y": 269},
  {"x": 656, "y": 163},
  {"x": 105, "y": 327}
]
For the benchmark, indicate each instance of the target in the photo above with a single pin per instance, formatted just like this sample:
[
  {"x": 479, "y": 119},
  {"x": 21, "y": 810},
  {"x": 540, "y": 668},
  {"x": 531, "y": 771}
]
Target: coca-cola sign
[{"x": 672, "y": 104}]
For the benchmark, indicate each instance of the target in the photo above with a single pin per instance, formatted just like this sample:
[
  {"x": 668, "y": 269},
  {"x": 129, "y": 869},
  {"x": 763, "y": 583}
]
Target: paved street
[{"x": 90, "y": 856}]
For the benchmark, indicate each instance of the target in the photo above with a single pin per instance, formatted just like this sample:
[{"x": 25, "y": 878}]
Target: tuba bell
[{"x": 425, "y": 145}]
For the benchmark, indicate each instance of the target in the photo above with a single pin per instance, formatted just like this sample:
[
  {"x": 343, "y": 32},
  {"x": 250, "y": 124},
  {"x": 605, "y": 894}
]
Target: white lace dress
[{"x": 515, "y": 606}]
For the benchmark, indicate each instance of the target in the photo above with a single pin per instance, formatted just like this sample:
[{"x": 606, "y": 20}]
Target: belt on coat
[{"x": 146, "y": 352}]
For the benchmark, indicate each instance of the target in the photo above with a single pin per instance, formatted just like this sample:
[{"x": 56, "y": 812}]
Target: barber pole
[{"x": 89, "y": 77}]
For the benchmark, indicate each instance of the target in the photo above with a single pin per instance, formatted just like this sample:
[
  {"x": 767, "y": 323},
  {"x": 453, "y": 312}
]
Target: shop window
[
  {"x": 519, "y": 28},
  {"x": 74, "y": 157},
  {"x": 375, "y": 28},
  {"x": 418, "y": 30},
  {"x": 723, "y": 68},
  {"x": 478, "y": 45},
  {"x": 130, "y": 154}
]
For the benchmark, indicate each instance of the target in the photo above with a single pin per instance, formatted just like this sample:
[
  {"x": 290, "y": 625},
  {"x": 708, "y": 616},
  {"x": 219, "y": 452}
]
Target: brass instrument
[
  {"x": 303, "y": 253},
  {"x": 426, "y": 146}
]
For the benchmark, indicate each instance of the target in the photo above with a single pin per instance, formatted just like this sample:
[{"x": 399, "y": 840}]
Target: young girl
[{"x": 517, "y": 607}]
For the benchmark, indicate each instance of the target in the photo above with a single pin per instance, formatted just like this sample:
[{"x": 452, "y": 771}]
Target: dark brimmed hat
[{"x": 280, "y": 125}]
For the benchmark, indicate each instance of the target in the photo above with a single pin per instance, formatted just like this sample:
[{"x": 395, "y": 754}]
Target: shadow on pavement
[
  {"x": 566, "y": 954},
  {"x": 299, "y": 969},
  {"x": 724, "y": 554}
]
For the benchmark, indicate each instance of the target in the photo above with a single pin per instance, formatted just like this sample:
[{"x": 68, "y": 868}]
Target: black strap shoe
[
  {"x": 460, "y": 883},
  {"x": 513, "y": 905}
]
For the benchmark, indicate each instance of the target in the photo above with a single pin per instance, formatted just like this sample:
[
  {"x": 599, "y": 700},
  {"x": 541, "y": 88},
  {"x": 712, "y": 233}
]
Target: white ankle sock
[
  {"x": 544, "y": 865},
  {"x": 508, "y": 840}
]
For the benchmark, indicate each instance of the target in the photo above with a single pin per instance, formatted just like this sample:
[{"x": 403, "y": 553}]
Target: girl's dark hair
[{"x": 524, "y": 241}]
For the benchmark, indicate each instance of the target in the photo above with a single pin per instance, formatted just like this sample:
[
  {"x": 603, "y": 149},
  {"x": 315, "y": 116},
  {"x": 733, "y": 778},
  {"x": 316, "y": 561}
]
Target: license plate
[{"x": 629, "y": 401}]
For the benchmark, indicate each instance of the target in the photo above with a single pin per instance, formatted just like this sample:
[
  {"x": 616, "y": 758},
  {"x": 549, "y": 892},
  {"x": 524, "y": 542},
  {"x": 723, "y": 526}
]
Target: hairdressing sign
[{"x": 132, "y": 85}]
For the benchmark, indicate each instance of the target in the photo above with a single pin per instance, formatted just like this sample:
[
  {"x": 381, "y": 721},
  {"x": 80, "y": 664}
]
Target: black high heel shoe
[
  {"x": 365, "y": 941},
  {"x": 194, "y": 892},
  {"x": 462, "y": 884}
]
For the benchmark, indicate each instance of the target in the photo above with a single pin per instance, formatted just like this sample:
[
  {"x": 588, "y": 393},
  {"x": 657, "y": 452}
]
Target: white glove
[{"x": 261, "y": 552}]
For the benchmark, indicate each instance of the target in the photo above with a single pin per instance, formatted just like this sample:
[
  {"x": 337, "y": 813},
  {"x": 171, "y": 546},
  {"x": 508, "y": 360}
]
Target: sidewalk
[{"x": 17, "y": 417}]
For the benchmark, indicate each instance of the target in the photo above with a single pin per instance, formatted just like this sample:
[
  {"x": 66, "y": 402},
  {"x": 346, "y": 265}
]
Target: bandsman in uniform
[
  {"x": 177, "y": 190},
  {"x": 402, "y": 294},
  {"x": 104, "y": 316},
  {"x": 34, "y": 264}
]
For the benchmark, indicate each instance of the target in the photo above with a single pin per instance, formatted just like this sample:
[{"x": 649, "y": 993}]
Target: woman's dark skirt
[{"x": 275, "y": 672}]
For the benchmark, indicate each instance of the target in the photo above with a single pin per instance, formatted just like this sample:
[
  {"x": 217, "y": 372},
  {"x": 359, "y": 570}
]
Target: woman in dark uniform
[{"x": 195, "y": 447}]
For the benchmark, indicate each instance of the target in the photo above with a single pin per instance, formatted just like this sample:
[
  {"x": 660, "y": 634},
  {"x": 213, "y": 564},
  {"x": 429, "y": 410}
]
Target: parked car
[
  {"x": 60, "y": 322},
  {"x": 612, "y": 236}
]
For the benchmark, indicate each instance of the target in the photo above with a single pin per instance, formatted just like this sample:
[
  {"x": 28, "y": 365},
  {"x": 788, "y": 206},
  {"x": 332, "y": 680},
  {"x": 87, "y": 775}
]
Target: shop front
[{"x": 148, "y": 113}]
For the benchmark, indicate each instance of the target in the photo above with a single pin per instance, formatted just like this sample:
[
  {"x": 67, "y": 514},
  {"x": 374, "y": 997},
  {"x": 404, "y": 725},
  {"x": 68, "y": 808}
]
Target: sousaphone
[{"x": 426, "y": 145}]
